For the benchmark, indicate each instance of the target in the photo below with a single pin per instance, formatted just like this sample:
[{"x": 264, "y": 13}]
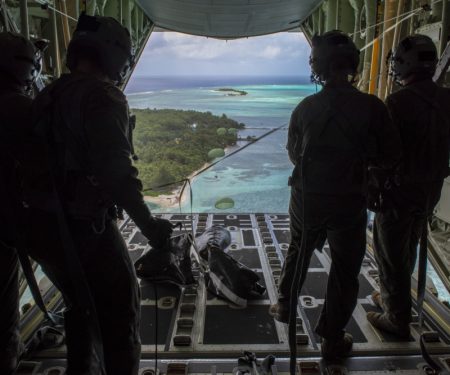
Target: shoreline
[{"x": 173, "y": 200}]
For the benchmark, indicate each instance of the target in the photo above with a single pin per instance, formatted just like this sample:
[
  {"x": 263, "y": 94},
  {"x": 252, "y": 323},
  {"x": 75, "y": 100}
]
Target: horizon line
[{"x": 218, "y": 74}]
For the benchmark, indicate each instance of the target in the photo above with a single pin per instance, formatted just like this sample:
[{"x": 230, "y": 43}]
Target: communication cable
[
  {"x": 48, "y": 6},
  {"x": 387, "y": 30},
  {"x": 408, "y": 15},
  {"x": 388, "y": 20}
]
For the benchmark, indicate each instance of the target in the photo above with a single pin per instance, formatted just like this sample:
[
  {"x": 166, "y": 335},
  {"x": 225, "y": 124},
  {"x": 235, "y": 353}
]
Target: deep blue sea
[{"x": 256, "y": 178}]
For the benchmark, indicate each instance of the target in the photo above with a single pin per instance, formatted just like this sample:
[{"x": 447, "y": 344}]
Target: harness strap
[
  {"x": 422, "y": 272},
  {"x": 33, "y": 285}
]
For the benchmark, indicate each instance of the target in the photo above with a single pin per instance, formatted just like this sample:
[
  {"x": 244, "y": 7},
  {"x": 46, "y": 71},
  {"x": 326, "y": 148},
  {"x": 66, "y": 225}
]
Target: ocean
[{"x": 256, "y": 178}]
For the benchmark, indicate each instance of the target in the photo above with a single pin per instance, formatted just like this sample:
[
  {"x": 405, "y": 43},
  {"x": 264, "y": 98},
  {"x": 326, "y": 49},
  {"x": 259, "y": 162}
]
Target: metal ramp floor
[{"x": 209, "y": 334}]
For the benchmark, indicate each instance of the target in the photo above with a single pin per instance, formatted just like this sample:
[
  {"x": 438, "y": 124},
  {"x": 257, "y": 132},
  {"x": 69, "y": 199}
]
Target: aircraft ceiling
[{"x": 228, "y": 18}]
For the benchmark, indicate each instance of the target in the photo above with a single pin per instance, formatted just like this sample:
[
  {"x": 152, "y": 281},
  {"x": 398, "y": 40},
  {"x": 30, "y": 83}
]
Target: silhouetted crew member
[
  {"x": 85, "y": 121},
  {"x": 333, "y": 137},
  {"x": 19, "y": 67},
  {"x": 420, "y": 111}
]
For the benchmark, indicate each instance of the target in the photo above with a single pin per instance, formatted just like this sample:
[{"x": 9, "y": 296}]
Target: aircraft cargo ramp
[{"x": 199, "y": 333}]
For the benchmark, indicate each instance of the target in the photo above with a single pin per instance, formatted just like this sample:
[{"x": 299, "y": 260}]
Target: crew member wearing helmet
[
  {"x": 420, "y": 111},
  {"x": 84, "y": 121},
  {"x": 19, "y": 66},
  {"x": 334, "y": 135}
]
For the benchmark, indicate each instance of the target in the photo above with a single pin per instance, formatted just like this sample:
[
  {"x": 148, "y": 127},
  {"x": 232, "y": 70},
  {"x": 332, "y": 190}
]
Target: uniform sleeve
[
  {"x": 106, "y": 127},
  {"x": 387, "y": 150},
  {"x": 294, "y": 137}
]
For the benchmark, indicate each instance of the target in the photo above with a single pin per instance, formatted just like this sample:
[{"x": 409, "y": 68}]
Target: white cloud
[
  {"x": 270, "y": 52},
  {"x": 201, "y": 48},
  {"x": 169, "y": 51}
]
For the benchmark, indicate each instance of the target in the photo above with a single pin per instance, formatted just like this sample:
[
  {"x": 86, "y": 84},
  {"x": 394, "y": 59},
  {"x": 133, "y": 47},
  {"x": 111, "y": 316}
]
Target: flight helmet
[
  {"x": 416, "y": 54},
  {"x": 332, "y": 49},
  {"x": 106, "y": 41},
  {"x": 21, "y": 59}
]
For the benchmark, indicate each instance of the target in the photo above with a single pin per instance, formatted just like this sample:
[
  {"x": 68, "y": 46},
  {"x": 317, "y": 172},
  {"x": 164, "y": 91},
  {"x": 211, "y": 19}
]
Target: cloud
[
  {"x": 185, "y": 54},
  {"x": 270, "y": 52}
]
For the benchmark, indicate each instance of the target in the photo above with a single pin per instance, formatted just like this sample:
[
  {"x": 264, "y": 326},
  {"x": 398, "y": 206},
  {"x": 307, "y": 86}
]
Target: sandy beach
[{"x": 173, "y": 199}]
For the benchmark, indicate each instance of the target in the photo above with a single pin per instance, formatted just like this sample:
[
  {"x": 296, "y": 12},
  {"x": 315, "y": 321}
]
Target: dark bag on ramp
[
  {"x": 169, "y": 264},
  {"x": 224, "y": 276}
]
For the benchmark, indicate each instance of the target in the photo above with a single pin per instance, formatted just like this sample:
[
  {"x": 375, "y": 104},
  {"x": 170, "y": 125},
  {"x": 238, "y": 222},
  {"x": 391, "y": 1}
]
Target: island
[
  {"x": 232, "y": 92},
  {"x": 173, "y": 144}
]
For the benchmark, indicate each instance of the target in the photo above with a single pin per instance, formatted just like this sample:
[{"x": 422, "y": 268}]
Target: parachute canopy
[
  {"x": 224, "y": 203},
  {"x": 232, "y": 131},
  {"x": 216, "y": 153},
  {"x": 221, "y": 131}
]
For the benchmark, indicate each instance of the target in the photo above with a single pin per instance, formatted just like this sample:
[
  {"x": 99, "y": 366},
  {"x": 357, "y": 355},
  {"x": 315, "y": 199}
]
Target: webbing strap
[
  {"x": 33, "y": 285},
  {"x": 422, "y": 273},
  {"x": 295, "y": 289}
]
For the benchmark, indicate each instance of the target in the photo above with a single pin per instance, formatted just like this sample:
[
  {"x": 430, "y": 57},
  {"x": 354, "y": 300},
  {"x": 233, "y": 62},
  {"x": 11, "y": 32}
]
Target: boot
[
  {"x": 280, "y": 312},
  {"x": 336, "y": 349},
  {"x": 383, "y": 323},
  {"x": 376, "y": 298}
]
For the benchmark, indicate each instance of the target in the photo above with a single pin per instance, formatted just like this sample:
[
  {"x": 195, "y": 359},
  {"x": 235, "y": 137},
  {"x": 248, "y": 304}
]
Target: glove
[{"x": 159, "y": 232}]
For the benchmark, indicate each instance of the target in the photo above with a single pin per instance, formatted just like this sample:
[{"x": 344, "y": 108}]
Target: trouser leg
[
  {"x": 116, "y": 294},
  {"x": 395, "y": 243},
  {"x": 113, "y": 286},
  {"x": 45, "y": 247},
  {"x": 288, "y": 271},
  {"x": 290, "y": 263},
  {"x": 347, "y": 240},
  {"x": 9, "y": 310}
]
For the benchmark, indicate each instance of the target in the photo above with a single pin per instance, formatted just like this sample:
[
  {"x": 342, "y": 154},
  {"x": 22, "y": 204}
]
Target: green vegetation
[
  {"x": 233, "y": 92},
  {"x": 171, "y": 144}
]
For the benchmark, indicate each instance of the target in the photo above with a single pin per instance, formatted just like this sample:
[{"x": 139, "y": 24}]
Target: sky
[{"x": 171, "y": 53}]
